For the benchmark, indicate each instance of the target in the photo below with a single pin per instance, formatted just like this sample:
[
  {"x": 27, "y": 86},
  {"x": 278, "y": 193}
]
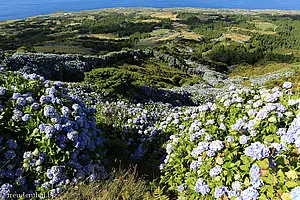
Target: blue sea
[{"x": 17, "y": 9}]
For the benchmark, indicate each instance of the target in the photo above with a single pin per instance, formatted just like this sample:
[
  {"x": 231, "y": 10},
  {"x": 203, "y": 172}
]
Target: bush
[
  {"x": 246, "y": 145},
  {"x": 48, "y": 138}
]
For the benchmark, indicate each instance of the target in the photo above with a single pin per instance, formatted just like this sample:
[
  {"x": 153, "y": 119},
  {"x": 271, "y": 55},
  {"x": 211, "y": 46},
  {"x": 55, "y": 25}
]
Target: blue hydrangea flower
[
  {"x": 35, "y": 106},
  {"x": 10, "y": 154},
  {"x": 255, "y": 174},
  {"x": 45, "y": 99},
  {"x": 244, "y": 139},
  {"x": 27, "y": 155},
  {"x": 2, "y": 91},
  {"x": 181, "y": 188},
  {"x": 215, "y": 171},
  {"x": 208, "y": 137},
  {"x": 73, "y": 136},
  {"x": 220, "y": 191},
  {"x": 26, "y": 117},
  {"x": 257, "y": 151},
  {"x": 295, "y": 193},
  {"x": 231, "y": 194},
  {"x": 194, "y": 165},
  {"x": 11, "y": 144},
  {"x": 210, "y": 153},
  {"x": 216, "y": 145},
  {"x": 21, "y": 101},
  {"x": 5, "y": 190},
  {"x": 17, "y": 114},
  {"x": 223, "y": 127},
  {"x": 236, "y": 186},
  {"x": 238, "y": 125},
  {"x": 201, "y": 187},
  {"x": 49, "y": 130},
  {"x": 16, "y": 96},
  {"x": 202, "y": 146},
  {"x": 250, "y": 194},
  {"x": 287, "y": 85},
  {"x": 49, "y": 111}
]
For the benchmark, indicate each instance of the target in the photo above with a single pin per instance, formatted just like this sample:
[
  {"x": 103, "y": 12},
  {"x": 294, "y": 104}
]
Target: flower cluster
[
  {"x": 232, "y": 145},
  {"x": 48, "y": 137}
]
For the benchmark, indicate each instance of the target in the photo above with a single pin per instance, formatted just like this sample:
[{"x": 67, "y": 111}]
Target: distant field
[
  {"x": 149, "y": 20},
  {"x": 296, "y": 52},
  {"x": 237, "y": 37},
  {"x": 162, "y": 35},
  {"x": 255, "y": 31},
  {"x": 63, "y": 49},
  {"x": 164, "y": 15},
  {"x": 258, "y": 70},
  {"x": 106, "y": 36},
  {"x": 264, "y": 26}
]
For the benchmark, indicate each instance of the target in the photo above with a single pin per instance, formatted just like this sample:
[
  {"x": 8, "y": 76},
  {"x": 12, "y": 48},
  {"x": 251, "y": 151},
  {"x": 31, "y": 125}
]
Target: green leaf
[
  {"x": 262, "y": 197},
  {"x": 263, "y": 164},
  {"x": 280, "y": 175},
  {"x": 244, "y": 167},
  {"x": 292, "y": 184},
  {"x": 268, "y": 179}
]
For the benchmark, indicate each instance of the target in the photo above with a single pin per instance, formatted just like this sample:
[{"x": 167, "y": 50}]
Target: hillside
[{"x": 149, "y": 103}]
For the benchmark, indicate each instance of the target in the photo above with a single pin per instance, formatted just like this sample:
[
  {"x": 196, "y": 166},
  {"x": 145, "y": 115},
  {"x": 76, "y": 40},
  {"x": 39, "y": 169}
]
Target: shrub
[
  {"x": 244, "y": 146},
  {"x": 48, "y": 138}
]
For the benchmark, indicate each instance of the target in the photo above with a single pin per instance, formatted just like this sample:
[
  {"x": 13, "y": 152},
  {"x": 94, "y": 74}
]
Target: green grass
[
  {"x": 261, "y": 69},
  {"x": 264, "y": 26},
  {"x": 121, "y": 185}
]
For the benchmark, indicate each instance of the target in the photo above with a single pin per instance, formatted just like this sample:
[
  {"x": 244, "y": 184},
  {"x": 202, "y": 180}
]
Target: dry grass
[
  {"x": 190, "y": 35},
  {"x": 122, "y": 184},
  {"x": 169, "y": 37},
  {"x": 248, "y": 70},
  {"x": 160, "y": 32},
  {"x": 8, "y": 22},
  {"x": 164, "y": 15},
  {"x": 296, "y": 52},
  {"x": 149, "y": 20},
  {"x": 264, "y": 25},
  {"x": 110, "y": 36},
  {"x": 237, "y": 37},
  {"x": 255, "y": 31}
]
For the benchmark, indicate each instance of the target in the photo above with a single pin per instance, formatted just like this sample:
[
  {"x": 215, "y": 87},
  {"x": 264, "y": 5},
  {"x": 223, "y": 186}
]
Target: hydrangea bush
[
  {"x": 48, "y": 136},
  {"x": 244, "y": 146}
]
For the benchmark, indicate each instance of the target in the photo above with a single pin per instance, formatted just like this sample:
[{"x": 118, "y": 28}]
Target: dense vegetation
[{"x": 204, "y": 104}]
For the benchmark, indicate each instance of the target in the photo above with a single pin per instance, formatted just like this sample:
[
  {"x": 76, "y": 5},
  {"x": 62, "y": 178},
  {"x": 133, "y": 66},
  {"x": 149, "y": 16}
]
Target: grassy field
[
  {"x": 63, "y": 49},
  {"x": 164, "y": 15},
  {"x": 296, "y": 52},
  {"x": 163, "y": 35},
  {"x": 237, "y": 37},
  {"x": 258, "y": 70},
  {"x": 107, "y": 36},
  {"x": 254, "y": 31},
  {"x": 264, "y": 25}
]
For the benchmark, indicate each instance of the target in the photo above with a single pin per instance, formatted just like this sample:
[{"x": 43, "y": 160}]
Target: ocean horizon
[{"x": 18, "y": 9}]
